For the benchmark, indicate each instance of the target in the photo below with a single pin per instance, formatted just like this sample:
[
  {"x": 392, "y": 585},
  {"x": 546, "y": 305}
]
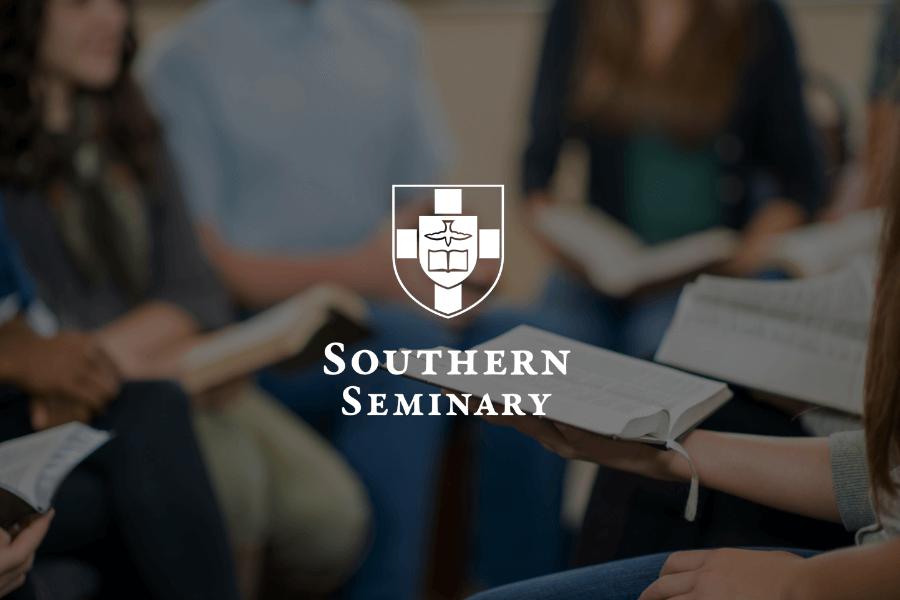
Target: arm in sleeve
[
  {"x": 173, "y": 86},
  {"x": 17, "y": 290},
  {"x": 553, "y": 78},
  {"x": 786, "y": 144},
  {"x": 850, "y": 474},
  {"x": 182, "y": 276}
]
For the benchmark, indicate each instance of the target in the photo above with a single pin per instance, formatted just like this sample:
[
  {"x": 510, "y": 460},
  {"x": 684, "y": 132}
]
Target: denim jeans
[
  {"x": 516, "y": 531},
  {"x": 619, "y": 580}
]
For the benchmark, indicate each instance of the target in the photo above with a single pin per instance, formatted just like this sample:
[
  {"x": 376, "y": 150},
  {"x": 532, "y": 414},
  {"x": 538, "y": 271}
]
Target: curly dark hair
[{"x": 26, "y": 154}]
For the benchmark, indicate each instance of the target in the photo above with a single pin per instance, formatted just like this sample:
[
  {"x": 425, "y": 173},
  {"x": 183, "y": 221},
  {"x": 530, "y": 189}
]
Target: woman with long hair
[
  {"x": 692, "y": 116},
  {"x": 95, "y": 203}
]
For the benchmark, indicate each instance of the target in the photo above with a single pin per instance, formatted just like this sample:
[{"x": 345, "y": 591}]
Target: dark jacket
[{"x": 769, "y": 124}]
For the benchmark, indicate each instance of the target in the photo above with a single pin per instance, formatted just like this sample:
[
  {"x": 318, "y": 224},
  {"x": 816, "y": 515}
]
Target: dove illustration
[{"x": 448, "y": 235}]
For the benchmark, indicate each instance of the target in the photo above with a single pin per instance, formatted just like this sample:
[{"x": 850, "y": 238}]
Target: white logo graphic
[{"x": 448, "y": 244}]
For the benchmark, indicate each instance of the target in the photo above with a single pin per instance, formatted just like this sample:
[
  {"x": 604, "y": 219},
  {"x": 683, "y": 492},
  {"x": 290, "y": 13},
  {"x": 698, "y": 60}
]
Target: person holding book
[
  {"x": 92, "y": 198},
  {"x": 683, "y": 106},
  {"x": 850, "y": 478},
  {"x": 690, "y": 111},
  {"x": 288, "y": 162},
  {"x": 137, "y": 519}
]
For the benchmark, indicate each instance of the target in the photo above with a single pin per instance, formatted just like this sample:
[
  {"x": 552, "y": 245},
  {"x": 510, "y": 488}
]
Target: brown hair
[
  {"x": 26, "y": 155},
  {"x": 691, "y": 98},
  {"x": 882, "y": 384}
]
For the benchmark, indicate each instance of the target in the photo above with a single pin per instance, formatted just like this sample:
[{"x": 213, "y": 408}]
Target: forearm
[
  {"x": 257, "y": 280},
  {"x": 860, "y": 572},
  {"x": 13, "y": 335},
  {"x": 776, "y": 216},
  {"x": 144, "y": 341},
  {"x": 790, "y": 474}
]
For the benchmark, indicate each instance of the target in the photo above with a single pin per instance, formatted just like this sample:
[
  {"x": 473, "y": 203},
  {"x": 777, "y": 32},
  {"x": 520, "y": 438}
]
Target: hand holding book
[
  {"x": 17, "y": 548},
  {"x": 573, "y": 443}
]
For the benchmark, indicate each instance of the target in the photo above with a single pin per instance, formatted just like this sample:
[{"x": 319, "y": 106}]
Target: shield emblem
[{"x": 449, "y": 243}]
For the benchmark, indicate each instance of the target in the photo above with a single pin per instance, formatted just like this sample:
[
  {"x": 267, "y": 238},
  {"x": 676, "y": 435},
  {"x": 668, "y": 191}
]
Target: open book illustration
[
  {"x": 803, "y": 339},
  {"x": 448, "y": 260},
  {"x": 602, "y": 391},
  {"x": 617, "y": 262},
  {"x": 290, "y": 334},
  {"x": 32, "y": 467},
  {"x": 823, "y": 248}
]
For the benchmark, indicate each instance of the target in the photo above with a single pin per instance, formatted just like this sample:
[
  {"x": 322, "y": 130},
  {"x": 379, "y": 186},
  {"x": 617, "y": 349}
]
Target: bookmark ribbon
[{"x": 690, "y": 509}]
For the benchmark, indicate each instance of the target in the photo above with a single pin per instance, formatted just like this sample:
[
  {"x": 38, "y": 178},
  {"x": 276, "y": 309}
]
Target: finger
[
  {"x": 6, "y": 537},
  {"x": 30, "y": 538},
  {"x": 10, "y": 584},
  {"x": 104, "y": 382},
  {"x": 100, "y": 387},
  {"x": 79, "y": 390},
  {"x": 25, "y": 567},
  {"x": 66, "y": 411},
  {"x": 25, "y": 544},
  {"x": 670, "y": 586},
  {"x": 540, "y": 429},
  {"x": 109, "y": 368},
  {"x": 40, "y": 416},
  {"x": 680, "y": 562}
]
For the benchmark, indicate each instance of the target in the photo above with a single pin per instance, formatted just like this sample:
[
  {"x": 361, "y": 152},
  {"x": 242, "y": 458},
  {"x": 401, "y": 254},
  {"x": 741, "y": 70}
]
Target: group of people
[{"x": 249, "y": 154}]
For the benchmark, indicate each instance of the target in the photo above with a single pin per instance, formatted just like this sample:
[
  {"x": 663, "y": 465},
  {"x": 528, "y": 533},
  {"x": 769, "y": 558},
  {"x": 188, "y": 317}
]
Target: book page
[
  {"x": 459, "y": 260},
  {"x": 33, "y": 466},
  {"x": 256, "y": 330},
  {"x": 804, "y": 339},
  {"x": 688, "y": 253},
  {"x": 437, "y": 260},
  {"x": 607, "y": 250},
  {"x": 617, "y": 261},
  {"x": 822, "y": 248},
  {"x": 602, "y": 391}
]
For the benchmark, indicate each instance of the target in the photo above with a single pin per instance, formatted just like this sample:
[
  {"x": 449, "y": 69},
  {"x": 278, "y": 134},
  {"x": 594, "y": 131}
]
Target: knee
[
  {"x": 148, "y": 404},
  {"x": 239, "y": 476},
  {"x": 322, "y": 530}
]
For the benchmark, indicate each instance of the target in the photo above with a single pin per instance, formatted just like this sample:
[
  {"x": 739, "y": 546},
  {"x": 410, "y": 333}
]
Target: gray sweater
[{"x": 850, "y": 471}]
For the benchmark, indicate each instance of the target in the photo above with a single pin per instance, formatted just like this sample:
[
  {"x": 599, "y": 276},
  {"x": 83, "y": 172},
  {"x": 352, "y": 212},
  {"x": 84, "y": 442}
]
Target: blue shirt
[
  {"x": 17, "y": 291},
  {"x": 290, "y": 120}
]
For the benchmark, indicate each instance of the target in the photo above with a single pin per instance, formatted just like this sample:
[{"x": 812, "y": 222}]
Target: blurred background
[{"x": 483, "y": 55}]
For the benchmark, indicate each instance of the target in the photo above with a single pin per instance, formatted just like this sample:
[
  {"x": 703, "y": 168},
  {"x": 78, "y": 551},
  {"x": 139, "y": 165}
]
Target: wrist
[
  {"x": 675, "y": 466},
  {"x": 798, "y": 581},
  {"x": 16, "y": 356}
]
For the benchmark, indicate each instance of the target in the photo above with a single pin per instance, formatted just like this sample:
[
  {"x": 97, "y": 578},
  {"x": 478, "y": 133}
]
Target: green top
[{"x": 671, "y": 190}]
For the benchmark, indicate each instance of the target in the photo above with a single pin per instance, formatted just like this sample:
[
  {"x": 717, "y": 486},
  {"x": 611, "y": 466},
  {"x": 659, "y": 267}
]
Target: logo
[{"x": 449, "y": 243}]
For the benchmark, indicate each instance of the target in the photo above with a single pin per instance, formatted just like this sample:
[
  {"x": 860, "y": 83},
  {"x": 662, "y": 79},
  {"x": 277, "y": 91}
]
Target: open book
[
  {"x": 803, "y": 339},
  {"x": 292, "y": 333},
  {"x": 448, "y": 260},
  {"x": 617, "y": 262},
  {"x": 822, "y": 248},
  {"x": 603, "y": 392},
  {"x": 33, "y": 466}
]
